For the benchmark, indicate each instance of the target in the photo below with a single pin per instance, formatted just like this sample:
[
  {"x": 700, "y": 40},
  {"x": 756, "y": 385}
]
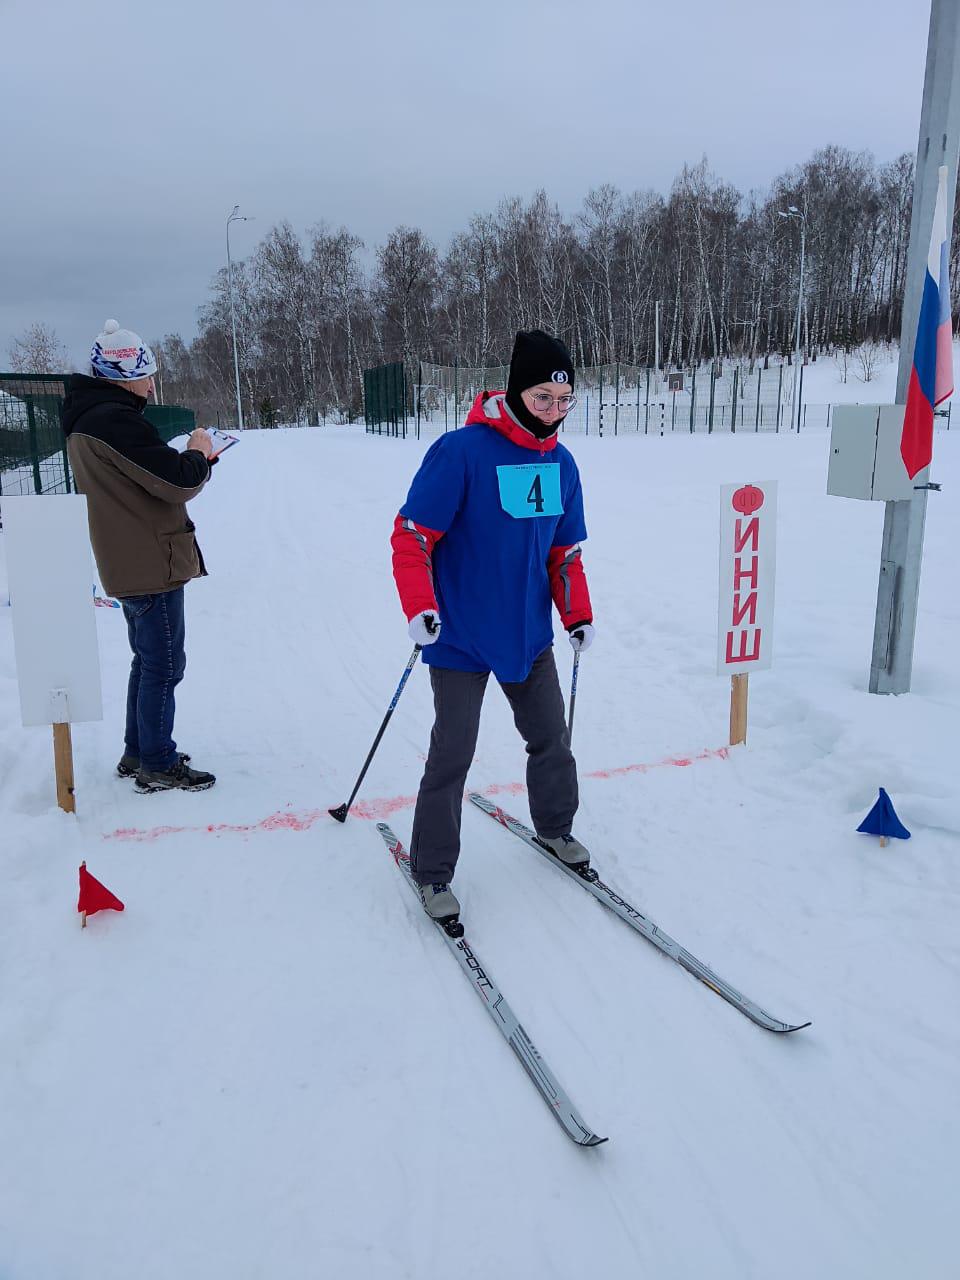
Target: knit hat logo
[
  {"x": 558, "y": 376},
  {"x": 121, "y": 354}
]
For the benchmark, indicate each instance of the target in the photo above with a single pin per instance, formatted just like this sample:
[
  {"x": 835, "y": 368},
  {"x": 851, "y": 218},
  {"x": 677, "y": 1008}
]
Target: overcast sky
[{"x": 131, "y": 130}]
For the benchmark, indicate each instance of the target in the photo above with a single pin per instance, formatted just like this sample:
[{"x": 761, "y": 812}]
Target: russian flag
[{"x": 931, "y": 378}]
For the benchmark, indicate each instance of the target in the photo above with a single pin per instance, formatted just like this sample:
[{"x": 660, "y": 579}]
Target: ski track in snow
[{"x": 269, "y": 1066}]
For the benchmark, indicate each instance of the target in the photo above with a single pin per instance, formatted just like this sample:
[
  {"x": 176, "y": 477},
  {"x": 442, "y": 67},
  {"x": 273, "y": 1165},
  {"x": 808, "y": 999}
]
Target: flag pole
[{"x": 891, "y": 664}]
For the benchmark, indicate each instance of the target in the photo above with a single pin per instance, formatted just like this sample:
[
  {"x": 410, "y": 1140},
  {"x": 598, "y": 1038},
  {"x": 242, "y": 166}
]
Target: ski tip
[
  {"x": 340, "y": 813},
  {"x": 799, "y": 1027},
  {"x": 593, "y": 1141}
]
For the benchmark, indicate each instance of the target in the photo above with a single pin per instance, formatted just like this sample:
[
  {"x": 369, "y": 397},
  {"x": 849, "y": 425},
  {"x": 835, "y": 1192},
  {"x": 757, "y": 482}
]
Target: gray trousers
[{"x": 539, "y": 715}]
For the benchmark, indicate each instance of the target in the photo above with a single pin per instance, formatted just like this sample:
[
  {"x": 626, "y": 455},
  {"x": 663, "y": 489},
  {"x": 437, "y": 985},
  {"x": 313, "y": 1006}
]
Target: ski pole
[
  {"x": 573, "y": 692},
  {"x": 341, "y": 811}
]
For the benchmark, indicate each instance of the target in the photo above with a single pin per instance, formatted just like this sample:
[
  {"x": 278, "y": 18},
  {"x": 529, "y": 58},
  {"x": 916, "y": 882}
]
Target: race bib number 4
[{"x": 530, "y": 490}]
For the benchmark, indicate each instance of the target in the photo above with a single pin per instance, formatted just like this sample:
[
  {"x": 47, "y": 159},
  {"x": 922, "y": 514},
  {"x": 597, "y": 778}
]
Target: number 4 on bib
[
  {"x": 536, "y": 496},
  {"x": 530, "y": 490}
]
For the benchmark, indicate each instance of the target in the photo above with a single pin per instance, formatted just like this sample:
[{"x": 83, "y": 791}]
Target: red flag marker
[{"x": 94, "y": 896}]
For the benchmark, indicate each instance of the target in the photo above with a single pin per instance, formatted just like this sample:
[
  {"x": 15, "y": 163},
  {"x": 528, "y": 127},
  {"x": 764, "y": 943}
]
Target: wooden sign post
[
  {"x": 63, "y": 750},
  {"x": 748, "y": 534},
  {"x": 54, "y": 621},
  {"x": 739, "y": 690}
]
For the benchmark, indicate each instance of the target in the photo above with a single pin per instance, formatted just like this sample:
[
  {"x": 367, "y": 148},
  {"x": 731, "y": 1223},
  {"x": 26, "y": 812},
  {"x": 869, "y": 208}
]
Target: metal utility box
[
  {"x": 865, "y": 459},
  {"x": 853, "y": 451}
]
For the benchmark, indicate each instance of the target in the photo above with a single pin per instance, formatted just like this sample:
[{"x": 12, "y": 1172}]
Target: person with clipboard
[{"x": 137, "y": 488}]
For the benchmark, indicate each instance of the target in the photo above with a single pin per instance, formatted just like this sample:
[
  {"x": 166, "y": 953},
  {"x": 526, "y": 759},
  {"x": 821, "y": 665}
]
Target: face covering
[{"x": 542, "y": 430}]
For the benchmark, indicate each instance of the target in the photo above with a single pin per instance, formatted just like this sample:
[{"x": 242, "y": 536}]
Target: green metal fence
[
  {"x": 615, "y": 399},
  {"x": 171, "y": 420},
  {"x": 445, "y": 393},
  {"x": 33, "y": 450},
  {"x": 611, "y": 399},
  {"x": 387, "y": 399}
]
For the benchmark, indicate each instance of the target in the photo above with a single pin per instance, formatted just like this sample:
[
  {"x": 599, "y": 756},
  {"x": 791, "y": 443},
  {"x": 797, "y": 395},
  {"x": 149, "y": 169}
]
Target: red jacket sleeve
[
  {"x": 568, "y": 585},
  {"x": 413, "y": 565}
]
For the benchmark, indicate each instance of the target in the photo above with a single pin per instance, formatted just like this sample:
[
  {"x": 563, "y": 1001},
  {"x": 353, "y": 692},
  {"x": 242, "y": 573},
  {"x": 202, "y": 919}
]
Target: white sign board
[
  {"x": 748, "y": 559},
  {"x": 54, "y": 624}
]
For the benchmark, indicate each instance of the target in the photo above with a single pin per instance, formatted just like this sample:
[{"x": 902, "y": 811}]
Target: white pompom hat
[{"x": 121, "y": 354}]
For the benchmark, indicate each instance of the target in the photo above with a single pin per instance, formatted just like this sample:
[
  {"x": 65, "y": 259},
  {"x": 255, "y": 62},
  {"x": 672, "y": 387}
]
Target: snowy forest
[{"x": 312, "y": 312}]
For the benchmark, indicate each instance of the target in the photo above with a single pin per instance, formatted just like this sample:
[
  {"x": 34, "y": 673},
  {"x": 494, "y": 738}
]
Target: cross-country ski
[
  {"x": 506, "y": 1021},
  {"x": 609, "y": 897}
]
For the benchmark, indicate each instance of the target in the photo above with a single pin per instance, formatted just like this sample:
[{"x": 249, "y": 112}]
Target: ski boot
[
  {"x": 441, "y": 905},
  {"x": 568, "y": 850}
]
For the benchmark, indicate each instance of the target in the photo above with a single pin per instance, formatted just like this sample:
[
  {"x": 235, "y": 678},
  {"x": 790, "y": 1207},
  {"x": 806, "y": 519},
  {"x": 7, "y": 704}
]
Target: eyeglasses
[{"x": 543, "y": 401}]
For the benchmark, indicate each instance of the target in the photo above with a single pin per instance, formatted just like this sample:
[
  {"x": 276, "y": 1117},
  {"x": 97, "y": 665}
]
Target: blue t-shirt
[{"x": 501, "y": 508}]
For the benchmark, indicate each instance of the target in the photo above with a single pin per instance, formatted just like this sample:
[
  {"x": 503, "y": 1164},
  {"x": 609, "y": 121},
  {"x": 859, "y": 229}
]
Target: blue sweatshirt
[{"x": 500, "y": 507}]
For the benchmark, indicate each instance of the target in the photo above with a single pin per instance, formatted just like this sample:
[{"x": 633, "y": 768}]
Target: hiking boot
[
  {"x": 439, "y": 902},
  {"x": 567, "y": 848},
  {"x": 129, "y": 766},
  {"x": 180, "y": 777}
]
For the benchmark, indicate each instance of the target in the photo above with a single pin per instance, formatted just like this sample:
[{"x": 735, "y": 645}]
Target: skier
[{"x": 491, "y": 528}]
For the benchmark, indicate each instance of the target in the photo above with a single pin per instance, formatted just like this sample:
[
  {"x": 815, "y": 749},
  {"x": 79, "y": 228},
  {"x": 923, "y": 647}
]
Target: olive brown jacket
[{"x": 137, "y": 488}]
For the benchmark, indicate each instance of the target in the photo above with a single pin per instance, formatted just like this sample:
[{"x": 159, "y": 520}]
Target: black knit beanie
[{"x": 536, "y": 358}]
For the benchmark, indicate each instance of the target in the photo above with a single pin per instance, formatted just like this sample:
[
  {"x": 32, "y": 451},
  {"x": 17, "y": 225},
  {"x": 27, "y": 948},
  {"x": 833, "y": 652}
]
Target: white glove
[
  {"x": 581, "y": 636},
  {"x": 424, "y": 627}
]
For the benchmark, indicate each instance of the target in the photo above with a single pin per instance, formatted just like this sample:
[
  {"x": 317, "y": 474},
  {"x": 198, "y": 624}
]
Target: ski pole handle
[{"x": 341, "y": 811}]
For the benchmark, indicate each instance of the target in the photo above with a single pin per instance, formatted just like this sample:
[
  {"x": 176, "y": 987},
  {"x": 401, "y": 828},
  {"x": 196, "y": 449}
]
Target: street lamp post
[
  {"x": 793, "y": 212},
  {"x": 235, "y": 216}
]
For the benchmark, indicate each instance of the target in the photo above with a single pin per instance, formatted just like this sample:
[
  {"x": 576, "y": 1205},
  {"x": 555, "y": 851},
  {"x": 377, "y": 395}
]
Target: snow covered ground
[{"x": 269, "y": 1066}]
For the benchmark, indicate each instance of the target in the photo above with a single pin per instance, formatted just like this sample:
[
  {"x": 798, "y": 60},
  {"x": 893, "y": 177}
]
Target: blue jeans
[{"x": 155, "y": 628}]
